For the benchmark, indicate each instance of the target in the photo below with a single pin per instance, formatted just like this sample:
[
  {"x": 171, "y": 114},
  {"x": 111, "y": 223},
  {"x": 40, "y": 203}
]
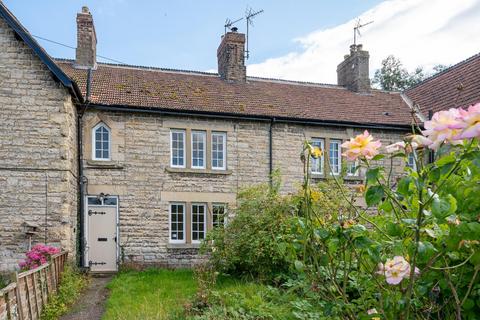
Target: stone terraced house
[{"x": 121, "y": 163}]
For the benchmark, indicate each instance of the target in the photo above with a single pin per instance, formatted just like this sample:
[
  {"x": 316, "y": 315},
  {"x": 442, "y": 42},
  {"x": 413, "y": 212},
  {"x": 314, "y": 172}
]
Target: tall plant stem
[{"x": 415, "y": 252}]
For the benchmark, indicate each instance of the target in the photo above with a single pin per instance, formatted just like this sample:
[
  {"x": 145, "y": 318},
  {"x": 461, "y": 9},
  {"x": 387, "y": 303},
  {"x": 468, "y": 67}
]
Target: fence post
[{"x": 19, "y": 298}]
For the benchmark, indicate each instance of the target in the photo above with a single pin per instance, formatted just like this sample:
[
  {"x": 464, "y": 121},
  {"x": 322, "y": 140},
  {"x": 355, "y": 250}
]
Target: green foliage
[
  {"x": 252, "y": 244},
  {"x": 392, "y": 76},
  {"x": 333, "y": 255},
  {"x": 71, "y": 284}
]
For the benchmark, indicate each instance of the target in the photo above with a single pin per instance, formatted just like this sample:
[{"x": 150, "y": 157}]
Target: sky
[{"x": 297, "y": 40}]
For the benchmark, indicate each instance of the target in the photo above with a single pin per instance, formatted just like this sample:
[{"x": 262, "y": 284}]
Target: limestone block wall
[
  {"x": 38, "y": 164},
  {"x": 140, "y": 174}
]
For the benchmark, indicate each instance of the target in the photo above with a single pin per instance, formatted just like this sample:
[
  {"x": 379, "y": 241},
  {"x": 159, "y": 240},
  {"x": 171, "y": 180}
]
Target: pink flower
[
  {"x": 372, "y": 311},
  {"x": 362, "y": 146},
  {"x": 445, "y": 126},
  {"x": 418, "y": 140},
  {"x": 471, "y": 122},
  {"x": 395, "y": 147},
  {"x": 395, "y": 270}
]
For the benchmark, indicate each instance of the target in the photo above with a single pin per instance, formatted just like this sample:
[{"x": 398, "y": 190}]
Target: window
[
  {"x": 317, "y": 164},
  {"x": 177, "y": 223},
  {"x": 102, "y": 201},
  {"x": 335, "y": 156},
  {"x": 101, "y": 142},
  {"x": 198, "y": 149},
  {"x": 219, "y": 140},
  {"x": 219, "y": 211},
  {"x": 411, "y": 161},
  {"x": 352, "y": 169},
  {"x": 198, "y": 222},
  {"x": 177, "y": 139}
]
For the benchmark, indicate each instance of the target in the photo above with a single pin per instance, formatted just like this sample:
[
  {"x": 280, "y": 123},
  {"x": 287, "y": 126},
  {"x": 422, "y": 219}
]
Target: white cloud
[{"x": 419, "y": 32}]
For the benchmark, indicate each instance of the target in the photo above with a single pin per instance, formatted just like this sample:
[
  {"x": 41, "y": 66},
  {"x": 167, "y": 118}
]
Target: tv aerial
[
  {"x": 250, "y": 14},
  {"x": 356, "y": 30}
]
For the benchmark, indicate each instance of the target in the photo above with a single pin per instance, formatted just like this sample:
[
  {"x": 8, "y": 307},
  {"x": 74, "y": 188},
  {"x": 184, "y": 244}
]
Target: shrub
[
  {"x": 37, "y": 256},
  {"x": 71, "y": 285},
  {"x": 251, "y": 244}
]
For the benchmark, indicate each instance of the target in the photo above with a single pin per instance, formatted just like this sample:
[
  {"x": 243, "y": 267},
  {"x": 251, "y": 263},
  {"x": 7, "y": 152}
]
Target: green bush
[
  {"x": 251, "y": 244},
  {"x": 71, "y": 284}
]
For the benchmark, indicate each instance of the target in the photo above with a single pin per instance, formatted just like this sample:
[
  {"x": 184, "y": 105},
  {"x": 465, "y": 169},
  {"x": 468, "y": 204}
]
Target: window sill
[
  {"x": 345, "y": 178},
  {"x": 183, "y": 246},
  {"x": 198, "y": 171},
  {"x": 98, "y": 164}
]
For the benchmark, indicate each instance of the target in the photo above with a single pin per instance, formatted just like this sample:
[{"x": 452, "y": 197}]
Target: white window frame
[
  {"x": 224, "y": 149},
  {"x": 339, "y": 156},
  {"x": 315, "y": 142},
  {"x": 204, "y": 205},
  {"x": 170, "y": 222},
  {"x": 413, "y": 165},
  {"x": 357, "y": 170},
  {"x": 225, "y": 208},
  {"x": 183, "y": 132},
  {"x": 94, "y": 140},
  {"x": 204, "y": 153}
]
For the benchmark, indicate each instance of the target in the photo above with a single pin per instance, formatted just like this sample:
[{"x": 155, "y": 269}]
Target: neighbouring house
[
  {"x": 122, "y": 163},
  {"x": 456, "y": 86}
]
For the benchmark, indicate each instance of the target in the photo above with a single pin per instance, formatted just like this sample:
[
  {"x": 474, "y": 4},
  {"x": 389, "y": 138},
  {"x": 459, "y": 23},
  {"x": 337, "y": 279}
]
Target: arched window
[{"x": 101, "y": 142}]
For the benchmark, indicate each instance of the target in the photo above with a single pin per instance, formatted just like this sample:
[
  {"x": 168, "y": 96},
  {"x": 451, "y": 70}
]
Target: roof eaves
[{"x": 227, "y": 115}]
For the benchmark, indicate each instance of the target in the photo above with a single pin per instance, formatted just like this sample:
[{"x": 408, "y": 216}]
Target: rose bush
[{"x": 412, "y": 253}]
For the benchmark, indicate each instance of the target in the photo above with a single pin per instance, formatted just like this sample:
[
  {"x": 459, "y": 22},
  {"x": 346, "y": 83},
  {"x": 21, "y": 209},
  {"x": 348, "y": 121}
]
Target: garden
[{"x": 412, "y": 253}]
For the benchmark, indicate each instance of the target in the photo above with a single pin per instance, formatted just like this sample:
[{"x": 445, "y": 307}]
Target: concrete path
[{"x": 90, "y": 305}]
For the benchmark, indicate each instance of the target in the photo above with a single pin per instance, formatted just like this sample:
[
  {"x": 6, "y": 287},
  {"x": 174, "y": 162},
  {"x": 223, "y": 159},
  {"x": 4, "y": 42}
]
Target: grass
[
  {"x": 162, "y": 294},
  {"x": 149, "y": 294}
]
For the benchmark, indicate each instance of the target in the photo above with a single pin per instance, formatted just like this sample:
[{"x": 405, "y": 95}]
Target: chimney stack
[
  {"x": 231, "y": 57},
  {"x": 353, "y": 72},
  {"x": 86, "y": 53}
]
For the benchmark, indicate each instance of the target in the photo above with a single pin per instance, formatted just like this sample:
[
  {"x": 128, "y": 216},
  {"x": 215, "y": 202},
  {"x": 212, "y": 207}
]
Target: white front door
[{"x": 102, "y": 213}]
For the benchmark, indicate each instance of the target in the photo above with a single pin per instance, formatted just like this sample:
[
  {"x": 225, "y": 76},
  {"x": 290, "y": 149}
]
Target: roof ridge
[
  {"x": 206, "y": 73},
  {"x": 438, "y": 74}
]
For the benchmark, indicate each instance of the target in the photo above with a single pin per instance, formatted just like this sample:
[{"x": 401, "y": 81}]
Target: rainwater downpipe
[
  {"x": 81, "y": 178},
  {"x": 270, "y": 151}
]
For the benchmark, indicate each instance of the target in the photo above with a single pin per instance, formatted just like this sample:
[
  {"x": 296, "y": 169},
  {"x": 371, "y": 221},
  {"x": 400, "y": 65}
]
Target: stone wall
[
  {"x": 140, "y": 173},
  {"x": 37, "y": 153}
]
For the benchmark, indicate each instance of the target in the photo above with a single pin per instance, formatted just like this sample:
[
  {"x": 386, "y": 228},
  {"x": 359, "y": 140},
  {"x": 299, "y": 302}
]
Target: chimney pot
[
  {"x": 234, "y": 29},
  {"x": 86, "y": 52},
  {"x": 231, "y": 57}
]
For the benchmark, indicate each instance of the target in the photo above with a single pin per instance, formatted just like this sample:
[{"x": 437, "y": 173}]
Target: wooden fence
[{"x": 25, "y": 298}]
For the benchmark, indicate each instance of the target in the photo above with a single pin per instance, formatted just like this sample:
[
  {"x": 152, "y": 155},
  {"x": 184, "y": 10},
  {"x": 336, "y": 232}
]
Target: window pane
[
  {"x": 94, "y": 201},
  {"x": 176, "y": 222},
  {"x": 218, "y": 215},
  {"x": 198, "y": 149},
  {"x": 178, "y": 148},
  {"x": 102, "y": 142},
  {"x": 198, "y": 222},
  {"x": 110, "y": 201},
  {"x": 335, "y": 156},
  {"x": 317, "y": 164},
  {"x": 218, "y": 150}
]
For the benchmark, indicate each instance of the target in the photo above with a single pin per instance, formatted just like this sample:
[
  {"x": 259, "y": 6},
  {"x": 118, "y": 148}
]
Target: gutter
[
  {"x": 234, "y": 116},
  {"x": 81, "y": 178},
  {"x": 270, "y": 151}
]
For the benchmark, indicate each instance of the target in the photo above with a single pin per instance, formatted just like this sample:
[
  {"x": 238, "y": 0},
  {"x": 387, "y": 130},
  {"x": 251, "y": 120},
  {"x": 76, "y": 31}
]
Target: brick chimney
[
  {"x": 231, "y": 57},
  {"x": 86, "y": 53},
  {"x": 353, "y": 72}
]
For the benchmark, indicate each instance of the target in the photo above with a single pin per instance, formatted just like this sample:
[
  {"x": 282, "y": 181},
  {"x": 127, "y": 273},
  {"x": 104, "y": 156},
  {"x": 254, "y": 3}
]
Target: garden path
[{"x": 91, "y": 303}]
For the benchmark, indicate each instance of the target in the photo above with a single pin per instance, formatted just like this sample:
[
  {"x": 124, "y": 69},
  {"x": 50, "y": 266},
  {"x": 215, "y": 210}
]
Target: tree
[{"x": 392, "y": 76}]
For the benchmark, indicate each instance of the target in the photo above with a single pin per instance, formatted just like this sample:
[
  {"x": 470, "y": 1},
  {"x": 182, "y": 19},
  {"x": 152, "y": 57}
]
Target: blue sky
[
  {"x": 181, "y": 34},
  {"x": 297, "y": 40}
]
